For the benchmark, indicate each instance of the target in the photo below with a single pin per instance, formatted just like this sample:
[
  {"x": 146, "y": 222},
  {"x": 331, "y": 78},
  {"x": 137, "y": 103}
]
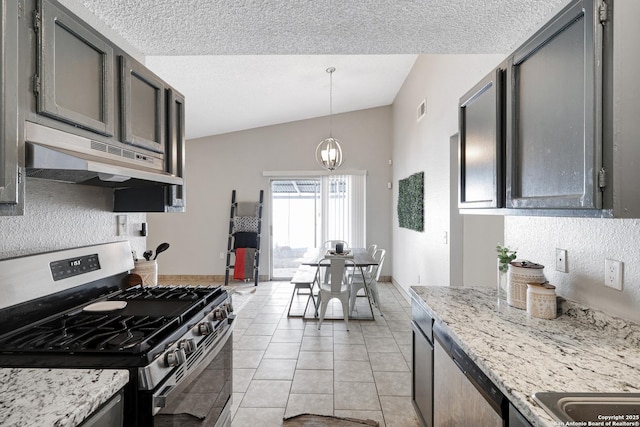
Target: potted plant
[{"x": 505, "y": 256}]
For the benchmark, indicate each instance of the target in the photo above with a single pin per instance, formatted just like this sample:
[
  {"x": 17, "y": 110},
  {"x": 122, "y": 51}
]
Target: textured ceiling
[{"x": 193, "y": 44}]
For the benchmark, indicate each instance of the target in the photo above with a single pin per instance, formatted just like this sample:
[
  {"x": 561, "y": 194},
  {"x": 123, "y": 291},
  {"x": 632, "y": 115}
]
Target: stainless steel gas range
[{"x": 74, "y": 309}]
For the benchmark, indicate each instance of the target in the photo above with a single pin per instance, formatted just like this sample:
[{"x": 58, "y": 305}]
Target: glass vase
[{"x": 501, "y": 270}]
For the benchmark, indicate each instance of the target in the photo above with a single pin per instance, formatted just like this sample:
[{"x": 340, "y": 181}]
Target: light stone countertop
[
  {"x": 55, "y": 397},
  {"x": 583, "y": 350}
]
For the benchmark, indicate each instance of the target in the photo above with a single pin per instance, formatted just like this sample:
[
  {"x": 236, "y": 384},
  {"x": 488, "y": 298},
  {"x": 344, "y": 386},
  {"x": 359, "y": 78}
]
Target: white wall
[
  {"x": 60, "y": 216},
  {"x": 588, "y": 243},
  {"x": 218, "y": 164},
  {"x": 426, "y": 257}
]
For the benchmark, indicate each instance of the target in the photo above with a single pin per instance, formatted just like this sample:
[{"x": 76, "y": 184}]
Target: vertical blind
[{"x": 343, "y": 204}]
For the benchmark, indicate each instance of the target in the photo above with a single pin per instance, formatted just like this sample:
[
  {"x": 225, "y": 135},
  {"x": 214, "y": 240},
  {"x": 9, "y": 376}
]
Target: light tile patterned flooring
[{"x": 285, "y": 366}]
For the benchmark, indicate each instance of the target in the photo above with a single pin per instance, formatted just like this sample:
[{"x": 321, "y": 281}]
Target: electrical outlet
[
  {"x": 561, "y": 260},
  {"x": 221, "y": 255},
  {"x": 613, "y": 274}
]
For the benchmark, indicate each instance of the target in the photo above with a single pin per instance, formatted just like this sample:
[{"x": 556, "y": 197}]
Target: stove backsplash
[{"x": 61, "y": 216}]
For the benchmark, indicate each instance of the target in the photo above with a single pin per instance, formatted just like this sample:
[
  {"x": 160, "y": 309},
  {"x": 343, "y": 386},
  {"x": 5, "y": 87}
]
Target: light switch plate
[{"x": 613, "y": 274}]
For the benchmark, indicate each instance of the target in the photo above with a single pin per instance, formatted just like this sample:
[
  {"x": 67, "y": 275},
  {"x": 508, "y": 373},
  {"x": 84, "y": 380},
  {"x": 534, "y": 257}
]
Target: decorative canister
[
  {"x": 148, "y": 271},
  {"x": 520, "y": 274},
  {"x": 541, "y": 300}
]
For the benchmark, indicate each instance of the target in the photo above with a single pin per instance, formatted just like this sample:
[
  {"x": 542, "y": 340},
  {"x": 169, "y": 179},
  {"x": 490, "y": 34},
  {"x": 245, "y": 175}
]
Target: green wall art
[{"x": 411, "y": 202}]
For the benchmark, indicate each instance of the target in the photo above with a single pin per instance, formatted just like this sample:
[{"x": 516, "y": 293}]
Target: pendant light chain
[{"x": 330, "y": 70}]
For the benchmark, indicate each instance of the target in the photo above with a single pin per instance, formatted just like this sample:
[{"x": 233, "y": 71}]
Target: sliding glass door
[
  {"x": 310, "y": 210},
  {"x": 295, "y": 210}
]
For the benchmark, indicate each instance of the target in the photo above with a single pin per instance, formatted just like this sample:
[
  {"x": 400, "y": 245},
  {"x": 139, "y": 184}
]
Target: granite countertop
[
  {"x": 55, "y": 397},
  {"x": 583, "y": 350}
]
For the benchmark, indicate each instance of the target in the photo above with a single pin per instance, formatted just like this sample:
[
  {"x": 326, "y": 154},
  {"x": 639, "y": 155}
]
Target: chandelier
[{"x": 329, "y": 152}]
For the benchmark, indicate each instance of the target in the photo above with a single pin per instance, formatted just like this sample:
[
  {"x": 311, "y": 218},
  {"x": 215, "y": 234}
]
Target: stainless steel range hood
[{"x": 61, "y": 156}]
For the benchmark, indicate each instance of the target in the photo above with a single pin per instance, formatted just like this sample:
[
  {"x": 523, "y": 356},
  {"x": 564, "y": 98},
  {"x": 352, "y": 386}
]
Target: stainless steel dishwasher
[
  {"x": 464, "y": 396},
  {"x": 422, "y": 363}
]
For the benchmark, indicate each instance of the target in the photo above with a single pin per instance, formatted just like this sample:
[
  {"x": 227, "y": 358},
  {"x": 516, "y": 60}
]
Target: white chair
[
  {"x": 331, "y": 244},
  {"x": 371, "y": 250},
  {"x": 371, "y": 276},
  {"x": 337, "y": 287}
]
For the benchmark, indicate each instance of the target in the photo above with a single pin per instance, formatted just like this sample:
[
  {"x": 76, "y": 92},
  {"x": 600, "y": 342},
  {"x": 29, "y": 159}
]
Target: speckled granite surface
[
  {"x": 55, "y": 397},
  {"x": 581, "y": 351}
]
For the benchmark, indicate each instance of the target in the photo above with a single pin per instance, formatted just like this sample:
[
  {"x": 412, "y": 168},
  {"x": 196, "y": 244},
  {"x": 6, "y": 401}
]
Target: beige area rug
[{"x": 310, "y": 420}]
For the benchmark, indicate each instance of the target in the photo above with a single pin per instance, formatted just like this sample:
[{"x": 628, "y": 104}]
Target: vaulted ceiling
[{"x": 250, "y": 63}]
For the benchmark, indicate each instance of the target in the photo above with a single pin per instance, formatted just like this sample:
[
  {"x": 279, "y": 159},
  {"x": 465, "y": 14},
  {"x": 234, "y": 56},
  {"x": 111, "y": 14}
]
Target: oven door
[{"x": 203, "y": 396}]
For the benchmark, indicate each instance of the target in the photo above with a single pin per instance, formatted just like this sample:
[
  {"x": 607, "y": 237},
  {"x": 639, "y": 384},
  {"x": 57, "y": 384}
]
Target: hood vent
[{"x": 61, "y": 156}]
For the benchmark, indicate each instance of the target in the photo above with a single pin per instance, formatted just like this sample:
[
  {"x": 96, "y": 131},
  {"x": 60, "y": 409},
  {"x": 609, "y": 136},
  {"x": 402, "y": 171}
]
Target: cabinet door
[
  {"x": 554, "y": 112},
  {"x": 175, "y": 149},
  {"x": 143, "y": 106},
  {"x": 481, "y": 144},
  {"x": 75, "y": 76},
  {"x": 11, "y": 187}
]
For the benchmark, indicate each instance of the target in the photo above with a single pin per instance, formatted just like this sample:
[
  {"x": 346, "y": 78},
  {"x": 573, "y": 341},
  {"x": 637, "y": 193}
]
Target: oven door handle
[
  {"x": 171, "y": 386},
  {"x": 160, "y": 400}
]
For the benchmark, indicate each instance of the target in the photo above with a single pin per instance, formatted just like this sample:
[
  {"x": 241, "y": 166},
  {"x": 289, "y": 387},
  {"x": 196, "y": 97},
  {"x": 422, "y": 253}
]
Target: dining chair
[
  {"x": 337, "y": 286},
  {"x": 371, "y": 250},
  {"x": 371, "y": 277},
  {"x": 331, "y": 244}
]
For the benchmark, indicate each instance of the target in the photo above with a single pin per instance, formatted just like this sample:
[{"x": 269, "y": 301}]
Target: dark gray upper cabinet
[
  {"x": 11, "y": 184},
  {"x": 60, "y": 74},
  {"x": 162, "y": 199},
  {"x": 481, "y": 144},
  {"x": 75, "y": 72},
  {"x": 142, "y": 106},
  {"x": 554, "y": 114},
  {"x": 176, "y": 153}
]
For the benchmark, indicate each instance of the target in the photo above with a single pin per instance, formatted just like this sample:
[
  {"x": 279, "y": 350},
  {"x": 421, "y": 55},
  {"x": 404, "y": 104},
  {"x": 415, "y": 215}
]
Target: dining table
[{"x": 360, "y": 257}]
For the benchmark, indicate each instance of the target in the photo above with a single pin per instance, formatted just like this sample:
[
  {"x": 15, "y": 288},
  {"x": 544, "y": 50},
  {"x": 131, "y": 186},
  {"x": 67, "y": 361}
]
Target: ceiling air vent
[{"x": 422, "y": 110}]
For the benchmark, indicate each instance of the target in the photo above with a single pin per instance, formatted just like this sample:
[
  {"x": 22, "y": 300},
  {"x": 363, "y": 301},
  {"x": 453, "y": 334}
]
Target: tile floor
[{"x": 285, "y": 366}]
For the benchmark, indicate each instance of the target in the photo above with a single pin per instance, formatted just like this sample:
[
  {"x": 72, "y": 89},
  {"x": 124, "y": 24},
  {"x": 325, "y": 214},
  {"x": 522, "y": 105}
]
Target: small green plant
[{"x": 505, "y": 255}]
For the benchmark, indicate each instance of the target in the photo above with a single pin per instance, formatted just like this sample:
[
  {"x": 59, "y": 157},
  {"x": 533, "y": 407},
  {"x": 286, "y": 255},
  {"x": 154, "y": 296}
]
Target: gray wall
[
  {"x": 218, "y": 164},
  {"x": 427, "y": 257}
]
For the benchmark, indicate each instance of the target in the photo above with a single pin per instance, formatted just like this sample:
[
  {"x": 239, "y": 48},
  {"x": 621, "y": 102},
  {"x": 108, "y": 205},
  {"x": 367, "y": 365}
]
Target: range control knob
[
  {"x": 204, "y": 328},
  {"x": 188, "y": 345},
  {"x": 175, "y": 357},
  {"x": 220, "y": 313}
]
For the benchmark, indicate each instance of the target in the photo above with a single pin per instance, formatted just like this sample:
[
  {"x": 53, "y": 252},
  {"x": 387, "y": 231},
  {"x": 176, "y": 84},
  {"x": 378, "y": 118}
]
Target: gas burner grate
[
  {"x": 82, "y": 332},
  {"x": 183, "y": 293}
]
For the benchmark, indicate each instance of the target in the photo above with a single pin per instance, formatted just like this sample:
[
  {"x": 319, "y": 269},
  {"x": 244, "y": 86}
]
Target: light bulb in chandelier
[{"x": 329, "y": 154}]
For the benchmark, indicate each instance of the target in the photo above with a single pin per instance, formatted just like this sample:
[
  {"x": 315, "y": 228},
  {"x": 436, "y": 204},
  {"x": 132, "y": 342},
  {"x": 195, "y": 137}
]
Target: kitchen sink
[{"x": 594, "y": 407}]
